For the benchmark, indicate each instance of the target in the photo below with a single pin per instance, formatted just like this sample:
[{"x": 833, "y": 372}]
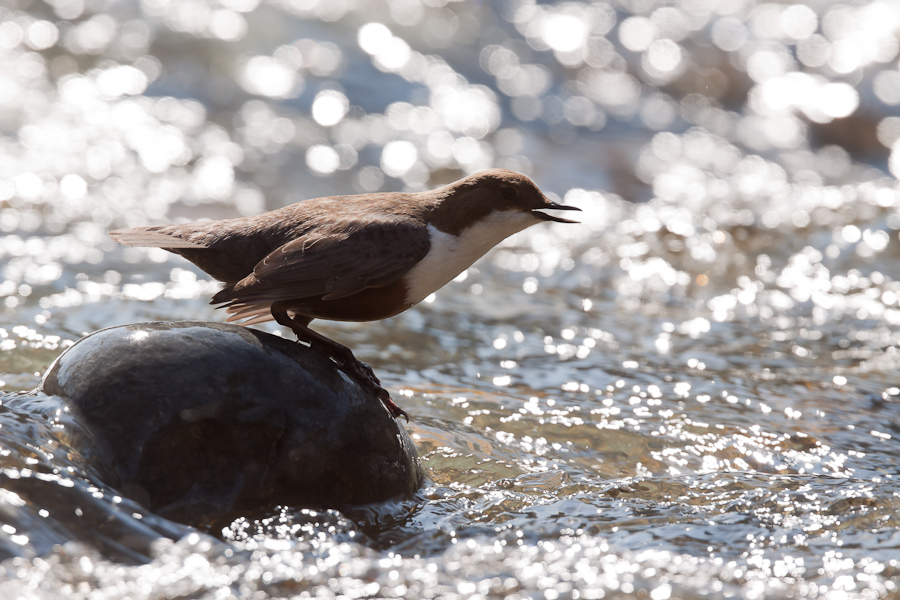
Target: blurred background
[{"x": 692, "y": 393}]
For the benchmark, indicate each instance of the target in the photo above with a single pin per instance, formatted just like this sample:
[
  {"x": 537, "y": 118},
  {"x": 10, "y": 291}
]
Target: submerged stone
[{"x": 201, "y": 422}]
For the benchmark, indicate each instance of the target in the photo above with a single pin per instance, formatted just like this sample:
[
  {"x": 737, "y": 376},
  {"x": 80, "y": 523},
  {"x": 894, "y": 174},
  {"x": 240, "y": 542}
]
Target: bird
[{"x": 362, "y": 257}]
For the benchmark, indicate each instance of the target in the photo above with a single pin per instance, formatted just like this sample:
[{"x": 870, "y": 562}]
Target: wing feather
[
  {"x": 332, "y": 264},
  {"x": 147, "y": 237}
]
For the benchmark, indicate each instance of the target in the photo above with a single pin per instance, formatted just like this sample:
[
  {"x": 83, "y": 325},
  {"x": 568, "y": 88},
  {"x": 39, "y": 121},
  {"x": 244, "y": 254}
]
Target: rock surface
[{"x": 201, "y": 422}]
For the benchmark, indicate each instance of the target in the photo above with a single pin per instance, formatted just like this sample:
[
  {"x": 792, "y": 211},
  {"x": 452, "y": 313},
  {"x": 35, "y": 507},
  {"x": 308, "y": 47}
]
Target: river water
[{"x": 694, "y": 393}]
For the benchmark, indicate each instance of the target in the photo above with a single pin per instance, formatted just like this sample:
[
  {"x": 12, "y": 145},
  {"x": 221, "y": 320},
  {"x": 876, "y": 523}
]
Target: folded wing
[{"x": 328, "y": 264}]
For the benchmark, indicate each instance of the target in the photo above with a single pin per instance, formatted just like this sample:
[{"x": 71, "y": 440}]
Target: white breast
[{"x": 450, "y": 255}]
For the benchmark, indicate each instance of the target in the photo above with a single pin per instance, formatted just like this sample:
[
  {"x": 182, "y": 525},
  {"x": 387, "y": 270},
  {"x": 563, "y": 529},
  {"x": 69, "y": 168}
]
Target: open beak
[{"x": 554, "y": 206}]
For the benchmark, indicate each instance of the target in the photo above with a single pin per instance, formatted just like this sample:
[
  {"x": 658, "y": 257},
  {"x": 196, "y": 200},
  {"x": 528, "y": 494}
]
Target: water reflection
[{"x": 692, "y": 393}]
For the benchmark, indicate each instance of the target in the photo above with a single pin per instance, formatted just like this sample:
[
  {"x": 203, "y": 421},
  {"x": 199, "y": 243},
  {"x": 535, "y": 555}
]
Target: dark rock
[{"x": 201, "y": 422}]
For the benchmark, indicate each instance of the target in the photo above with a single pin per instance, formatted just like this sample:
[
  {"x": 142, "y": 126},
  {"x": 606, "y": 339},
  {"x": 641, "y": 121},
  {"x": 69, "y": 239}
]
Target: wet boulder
[{"x": 201, "y": 422}]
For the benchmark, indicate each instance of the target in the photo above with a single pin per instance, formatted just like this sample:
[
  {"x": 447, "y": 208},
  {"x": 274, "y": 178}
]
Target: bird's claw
[
  {"x": 367, "y": 376},
  {"x": 392, "y": 407},
  {"x": 358, "y": 370}
]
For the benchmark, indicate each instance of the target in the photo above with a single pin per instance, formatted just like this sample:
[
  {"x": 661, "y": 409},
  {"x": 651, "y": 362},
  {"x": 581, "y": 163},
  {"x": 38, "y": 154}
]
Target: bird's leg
[{"x": 341, "y": 354}]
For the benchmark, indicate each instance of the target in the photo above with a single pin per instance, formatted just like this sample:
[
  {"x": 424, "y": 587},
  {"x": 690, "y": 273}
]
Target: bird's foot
[
  {"x": 392, "y": 407},
  {"x": 343, "y": 356},
  {"x": 364, "y": 374}
]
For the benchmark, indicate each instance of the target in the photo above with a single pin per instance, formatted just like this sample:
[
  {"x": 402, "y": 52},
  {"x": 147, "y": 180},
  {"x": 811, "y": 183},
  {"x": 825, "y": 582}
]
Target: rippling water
[{"x": 693, "y": 393}]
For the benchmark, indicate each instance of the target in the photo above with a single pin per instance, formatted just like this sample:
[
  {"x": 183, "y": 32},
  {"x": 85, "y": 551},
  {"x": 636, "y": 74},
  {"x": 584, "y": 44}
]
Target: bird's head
[
  {"x": 518, "y": 193},
  {"x": 506, "y": 198}
]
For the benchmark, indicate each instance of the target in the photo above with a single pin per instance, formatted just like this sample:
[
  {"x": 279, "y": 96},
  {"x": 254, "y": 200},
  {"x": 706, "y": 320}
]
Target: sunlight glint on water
[{"x": 693, "y": 393}]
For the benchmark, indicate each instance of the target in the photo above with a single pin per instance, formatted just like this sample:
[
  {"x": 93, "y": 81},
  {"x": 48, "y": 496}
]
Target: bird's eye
[{"x": 509, "y": 194}]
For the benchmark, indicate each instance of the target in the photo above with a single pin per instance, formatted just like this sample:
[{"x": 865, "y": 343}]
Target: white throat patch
[{"x": 450, "y": 255}]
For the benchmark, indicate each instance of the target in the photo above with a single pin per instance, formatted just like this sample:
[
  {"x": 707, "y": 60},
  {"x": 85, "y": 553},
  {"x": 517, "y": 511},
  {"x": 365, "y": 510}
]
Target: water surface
[{"x": 694, "y": 393}]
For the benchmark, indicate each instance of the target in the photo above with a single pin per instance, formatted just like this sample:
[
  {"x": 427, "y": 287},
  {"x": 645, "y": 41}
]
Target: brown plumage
[{"x": 351, "y": 258}]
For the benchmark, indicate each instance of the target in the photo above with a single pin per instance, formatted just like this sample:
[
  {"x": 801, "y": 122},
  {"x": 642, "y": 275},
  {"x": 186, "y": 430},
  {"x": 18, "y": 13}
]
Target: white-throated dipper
[{"x": 352, "y": 258}]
